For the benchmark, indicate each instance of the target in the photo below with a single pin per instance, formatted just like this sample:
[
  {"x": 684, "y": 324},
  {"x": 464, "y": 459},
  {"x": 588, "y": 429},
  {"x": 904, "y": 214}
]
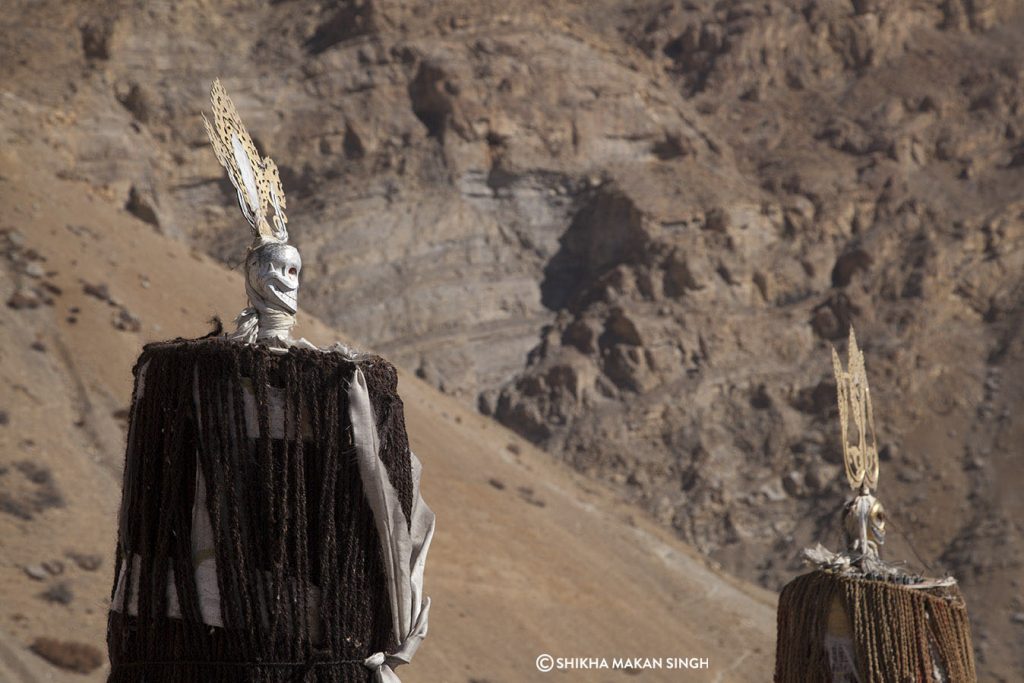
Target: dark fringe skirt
[{"x": 299, "y": 565}]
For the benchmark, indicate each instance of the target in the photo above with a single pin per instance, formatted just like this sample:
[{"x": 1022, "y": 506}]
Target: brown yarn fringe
[
  {"x": 287, "y": 516},
  {"x": 899, "y": 633}
]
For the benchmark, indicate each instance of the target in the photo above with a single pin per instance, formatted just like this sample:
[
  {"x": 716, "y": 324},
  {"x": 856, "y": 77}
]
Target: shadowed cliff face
[{"x": 629, "y": 231}]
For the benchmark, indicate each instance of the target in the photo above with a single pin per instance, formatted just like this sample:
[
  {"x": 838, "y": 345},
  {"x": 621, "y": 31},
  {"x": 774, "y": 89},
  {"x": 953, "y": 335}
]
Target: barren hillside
[
  {"x": 629, "y": 231},
  {"x": 529, "y": 557}
]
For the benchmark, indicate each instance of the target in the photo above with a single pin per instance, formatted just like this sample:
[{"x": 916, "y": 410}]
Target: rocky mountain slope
[
  {"x": 529, "y": 557},
  {"x": 627, "y": 230}
]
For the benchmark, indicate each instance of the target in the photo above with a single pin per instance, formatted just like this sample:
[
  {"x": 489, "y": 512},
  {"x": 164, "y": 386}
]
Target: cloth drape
[{"x": 405, "y": 547}]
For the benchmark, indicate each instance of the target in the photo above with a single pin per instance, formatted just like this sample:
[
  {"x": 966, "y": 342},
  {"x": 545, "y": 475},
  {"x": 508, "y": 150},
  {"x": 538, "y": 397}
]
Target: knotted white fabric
[
  {"x": 261, "y": 320},
  {"x": 405, "y": 547}
]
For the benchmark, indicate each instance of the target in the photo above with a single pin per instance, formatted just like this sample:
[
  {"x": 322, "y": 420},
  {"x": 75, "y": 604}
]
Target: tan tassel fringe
[{"x": 899, "y": 633}]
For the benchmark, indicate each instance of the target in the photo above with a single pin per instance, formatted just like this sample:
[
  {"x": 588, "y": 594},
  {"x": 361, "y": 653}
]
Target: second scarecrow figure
[{"x": 857, "y": 618}]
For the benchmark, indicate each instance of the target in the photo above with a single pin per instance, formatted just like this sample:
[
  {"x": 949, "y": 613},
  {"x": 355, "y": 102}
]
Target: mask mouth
[{"x": 285, "y": 299}]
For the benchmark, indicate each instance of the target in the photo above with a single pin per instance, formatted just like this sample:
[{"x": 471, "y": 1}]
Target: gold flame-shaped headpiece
[
  {"x": 260, "y": 195},
  {"x": 860, "y": 446}
]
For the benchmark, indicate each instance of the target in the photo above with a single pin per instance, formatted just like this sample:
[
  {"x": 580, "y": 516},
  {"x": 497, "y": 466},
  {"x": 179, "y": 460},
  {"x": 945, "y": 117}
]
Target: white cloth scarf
[{"x": 405, "y": 548}]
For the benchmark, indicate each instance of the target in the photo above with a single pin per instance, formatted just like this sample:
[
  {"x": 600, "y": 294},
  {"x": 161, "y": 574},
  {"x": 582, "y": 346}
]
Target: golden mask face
[{"x": 865, "y": 513}]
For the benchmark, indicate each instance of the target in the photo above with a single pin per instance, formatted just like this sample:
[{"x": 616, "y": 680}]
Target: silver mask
[{"x": 272, "y": 275}]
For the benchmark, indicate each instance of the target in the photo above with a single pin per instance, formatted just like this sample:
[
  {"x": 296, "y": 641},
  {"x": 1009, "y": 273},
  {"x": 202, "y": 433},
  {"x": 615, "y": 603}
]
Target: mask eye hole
[
  {"x": 293, "y": 271},
  {"x": 878, "y": 515}
]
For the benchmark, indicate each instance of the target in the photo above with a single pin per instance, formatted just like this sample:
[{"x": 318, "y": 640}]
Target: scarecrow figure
[
  {"x": 271, "y": 525},
  {"x": 857, "y": 618}
]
